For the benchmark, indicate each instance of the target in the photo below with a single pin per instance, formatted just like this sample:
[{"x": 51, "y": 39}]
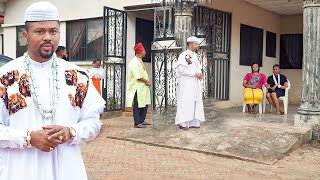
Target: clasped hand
[
  {"x": 273, "y": 88},
  {"x": 199, "y": 75},
  {"x": 148, "y": 83},
  {"x": 50, "y": 137}
]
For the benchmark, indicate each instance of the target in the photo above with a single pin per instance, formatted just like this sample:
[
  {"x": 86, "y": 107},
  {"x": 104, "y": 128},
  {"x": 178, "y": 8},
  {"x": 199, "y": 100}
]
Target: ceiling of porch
[{"x": 281, "y": 7}]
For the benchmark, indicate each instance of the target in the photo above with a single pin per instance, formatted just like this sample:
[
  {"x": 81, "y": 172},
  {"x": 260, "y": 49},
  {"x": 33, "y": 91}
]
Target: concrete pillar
[
  {"x": 183, "y": 13},
  {"x": 309, "y": 111}
]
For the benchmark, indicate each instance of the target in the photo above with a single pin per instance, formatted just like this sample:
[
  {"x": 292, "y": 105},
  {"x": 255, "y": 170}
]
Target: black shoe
[
  {"x": 140, "y": 126},
  {"x": 145, "y": 123},
  {"x": 195, "y": 127}
]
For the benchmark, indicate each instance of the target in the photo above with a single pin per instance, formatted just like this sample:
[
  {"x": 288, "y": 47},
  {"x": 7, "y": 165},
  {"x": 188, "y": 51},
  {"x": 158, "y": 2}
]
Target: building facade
[{"x": 234, "y": 34}]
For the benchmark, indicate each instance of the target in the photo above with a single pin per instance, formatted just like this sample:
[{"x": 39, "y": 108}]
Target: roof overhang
[
  {"x": 281, "y": 7},
  {"x": 142, "y": 7}
]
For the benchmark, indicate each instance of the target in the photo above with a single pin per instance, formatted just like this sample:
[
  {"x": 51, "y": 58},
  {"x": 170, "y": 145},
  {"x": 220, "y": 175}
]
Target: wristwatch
[
  {"x": 73, "y": 132},
  {"x": 27, "y": 139}
]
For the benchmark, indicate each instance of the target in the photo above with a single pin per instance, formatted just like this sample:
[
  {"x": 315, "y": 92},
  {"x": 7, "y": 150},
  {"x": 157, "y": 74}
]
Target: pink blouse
[{"x": 256, "y": 80}]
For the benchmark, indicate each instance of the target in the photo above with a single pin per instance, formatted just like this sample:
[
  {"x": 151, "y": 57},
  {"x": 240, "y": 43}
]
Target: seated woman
[
  {"x": 277, "y": 83},
  {"x": 253, "y": 83}
]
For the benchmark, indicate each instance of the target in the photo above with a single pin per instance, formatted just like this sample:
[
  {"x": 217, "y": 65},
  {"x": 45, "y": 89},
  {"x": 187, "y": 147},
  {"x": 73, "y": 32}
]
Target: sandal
[
  {"x": 183, "y": 128},
  {"x": 278, "y": 113}
]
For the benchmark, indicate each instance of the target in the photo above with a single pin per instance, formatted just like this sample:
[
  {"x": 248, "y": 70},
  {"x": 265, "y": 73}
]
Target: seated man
[{"x": 277, "y": 83}]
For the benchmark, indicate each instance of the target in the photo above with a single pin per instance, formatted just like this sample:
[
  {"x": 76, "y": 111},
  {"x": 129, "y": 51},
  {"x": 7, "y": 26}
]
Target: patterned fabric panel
[
  {"x": 73, "y": 78},
  {"x": 14, "y": 102}
]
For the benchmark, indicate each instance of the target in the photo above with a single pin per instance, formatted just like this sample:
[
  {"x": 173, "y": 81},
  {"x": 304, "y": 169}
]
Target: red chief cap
[{"x": 138, "y": 48}]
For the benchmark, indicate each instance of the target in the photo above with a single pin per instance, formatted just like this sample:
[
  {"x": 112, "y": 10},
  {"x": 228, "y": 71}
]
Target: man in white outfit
[
  {"x": 48, "y": 106},
  {"x": 189, "y": 94},
  {"x": 97, "y": 73}
]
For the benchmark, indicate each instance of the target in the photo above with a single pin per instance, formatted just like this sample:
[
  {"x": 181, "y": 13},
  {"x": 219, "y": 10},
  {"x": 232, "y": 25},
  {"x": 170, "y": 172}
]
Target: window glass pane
[
  {"x": 95, "y": 39},
  {"x": 76, "y": 41},
  {"x": 291, "y": 51},
  {"x": 251, "y": 45},
  {"x": 85, "y": 39},
  {"x": 21, "y": 42}
]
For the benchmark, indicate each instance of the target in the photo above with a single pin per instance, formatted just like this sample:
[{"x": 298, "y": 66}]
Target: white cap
[
  {"x": 193, "y": 39},
  {"x": 41, "y": 11}
]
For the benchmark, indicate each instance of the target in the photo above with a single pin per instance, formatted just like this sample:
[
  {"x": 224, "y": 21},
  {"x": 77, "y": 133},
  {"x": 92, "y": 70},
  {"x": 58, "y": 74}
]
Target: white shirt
[
  {"x": 65, "y": 162},
  {"x": 97, "y": 73}
]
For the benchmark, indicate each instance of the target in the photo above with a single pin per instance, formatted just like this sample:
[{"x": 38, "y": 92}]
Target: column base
[
  {"x": 308, "y": 121},
  {"x": 301, "y": 120}
]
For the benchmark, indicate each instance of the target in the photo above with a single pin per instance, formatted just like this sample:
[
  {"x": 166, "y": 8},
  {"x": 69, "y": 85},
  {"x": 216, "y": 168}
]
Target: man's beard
[{"x": 46, "y": 56}]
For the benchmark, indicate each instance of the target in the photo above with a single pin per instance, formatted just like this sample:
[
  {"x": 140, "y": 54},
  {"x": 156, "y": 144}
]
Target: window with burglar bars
[{"x": 85, "y": 39}]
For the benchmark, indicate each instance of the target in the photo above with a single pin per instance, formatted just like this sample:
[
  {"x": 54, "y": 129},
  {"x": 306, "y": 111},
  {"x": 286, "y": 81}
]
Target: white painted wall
[
  {"x": 10, "y": 41},
  {"x": 63, "y": 33},
  {"x": 246, "y": 13}
]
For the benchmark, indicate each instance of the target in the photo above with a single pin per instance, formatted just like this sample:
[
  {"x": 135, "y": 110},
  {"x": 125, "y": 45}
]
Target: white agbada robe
[
  {"x": 64, "y": 162},
  {"x": 189, "y": 95}
]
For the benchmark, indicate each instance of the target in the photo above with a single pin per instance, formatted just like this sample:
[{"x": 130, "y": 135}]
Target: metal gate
[
  {"x": 114, "y": 56},
  {"x": 215, "y": 27},
  {"x": 164, "y": 56}
]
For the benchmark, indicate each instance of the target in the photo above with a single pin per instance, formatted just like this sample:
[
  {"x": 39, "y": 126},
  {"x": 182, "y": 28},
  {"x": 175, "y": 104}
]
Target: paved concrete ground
[
  {"x": 116, "y": 159},
  {"x": 259, "y": 138}
]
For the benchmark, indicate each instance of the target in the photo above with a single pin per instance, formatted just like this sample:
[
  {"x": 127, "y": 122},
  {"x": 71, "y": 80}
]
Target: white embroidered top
[{"x": 77, "y": 107}]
